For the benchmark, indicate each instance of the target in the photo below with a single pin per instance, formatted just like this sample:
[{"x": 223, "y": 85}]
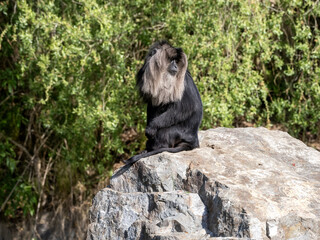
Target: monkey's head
[{"x": 161, "y": 79}]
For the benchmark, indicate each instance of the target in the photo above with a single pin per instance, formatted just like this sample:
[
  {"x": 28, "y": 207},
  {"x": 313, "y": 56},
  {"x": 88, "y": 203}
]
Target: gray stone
[{"x": 249, "y": 183}]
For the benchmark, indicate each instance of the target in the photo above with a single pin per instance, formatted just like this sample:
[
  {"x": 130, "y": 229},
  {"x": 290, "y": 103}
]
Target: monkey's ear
[
  {"x": 153, "y": 52},
  {"x": 179, "y": 53}
]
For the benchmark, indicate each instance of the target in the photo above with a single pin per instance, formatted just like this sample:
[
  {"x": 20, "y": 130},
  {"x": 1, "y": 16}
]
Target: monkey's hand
[{"x": 151, "y": 132}]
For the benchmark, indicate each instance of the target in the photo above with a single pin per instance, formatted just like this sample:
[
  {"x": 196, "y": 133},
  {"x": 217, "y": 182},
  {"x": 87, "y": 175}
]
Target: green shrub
[{"x": 69, "y": 107}]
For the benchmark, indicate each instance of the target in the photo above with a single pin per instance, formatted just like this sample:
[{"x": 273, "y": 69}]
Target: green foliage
[
  {"x": 22, "y": 196},
  {"x": 69, "y": 107}
]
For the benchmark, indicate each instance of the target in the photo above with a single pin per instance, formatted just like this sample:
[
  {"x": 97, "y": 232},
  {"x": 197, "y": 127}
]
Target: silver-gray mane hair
[{"x": 158, "y": 82}]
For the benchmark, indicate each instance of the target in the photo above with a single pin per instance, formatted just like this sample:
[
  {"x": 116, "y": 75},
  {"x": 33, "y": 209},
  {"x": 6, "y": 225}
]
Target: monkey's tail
[{"x": 181, "y": 147}]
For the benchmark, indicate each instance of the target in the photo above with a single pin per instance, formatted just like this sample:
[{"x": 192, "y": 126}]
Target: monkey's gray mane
[{"x": 162, "y": 86}]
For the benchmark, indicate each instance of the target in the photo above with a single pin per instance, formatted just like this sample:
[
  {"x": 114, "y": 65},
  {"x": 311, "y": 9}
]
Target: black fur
[{"x": 172, "y": 127}]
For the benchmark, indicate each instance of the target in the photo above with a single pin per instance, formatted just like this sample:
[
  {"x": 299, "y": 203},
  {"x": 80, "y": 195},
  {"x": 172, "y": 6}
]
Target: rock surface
[{"x": 249, "y": 183}]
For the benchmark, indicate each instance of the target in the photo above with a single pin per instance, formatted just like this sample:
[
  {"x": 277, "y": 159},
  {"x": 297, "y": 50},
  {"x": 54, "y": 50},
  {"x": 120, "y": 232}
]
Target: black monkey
[{"x": 174, "y": 111}]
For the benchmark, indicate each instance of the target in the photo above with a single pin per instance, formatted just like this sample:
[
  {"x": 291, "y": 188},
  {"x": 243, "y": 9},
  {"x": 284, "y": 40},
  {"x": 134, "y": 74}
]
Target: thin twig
[
  {"x": 4, "y": 100},
  {"x": 43, "y": 142},
  {"x": 42, "y": 186},
  {"x": 14, "y": 11},
  {"x": 15, "y": 186},
  {"x": 22, "y": 148},
  {"x": 28, "y": 131},
  {"x": 314, "y": 5},
  {"x": 24, "y": 171}
]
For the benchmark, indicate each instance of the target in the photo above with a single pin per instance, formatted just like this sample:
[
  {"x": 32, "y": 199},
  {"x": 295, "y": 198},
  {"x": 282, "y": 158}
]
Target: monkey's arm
[
  {"x": 170, "y": 117},
  {"x": 188, "y": 109}
]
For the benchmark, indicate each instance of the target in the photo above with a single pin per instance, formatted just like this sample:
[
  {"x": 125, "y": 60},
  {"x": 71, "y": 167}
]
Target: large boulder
[{"x": 249, "y": 183}]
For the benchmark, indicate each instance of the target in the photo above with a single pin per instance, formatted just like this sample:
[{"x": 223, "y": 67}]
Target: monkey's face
[
  {"x": 167, "y": 58},
  {"x": 164, "y": 74}
]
